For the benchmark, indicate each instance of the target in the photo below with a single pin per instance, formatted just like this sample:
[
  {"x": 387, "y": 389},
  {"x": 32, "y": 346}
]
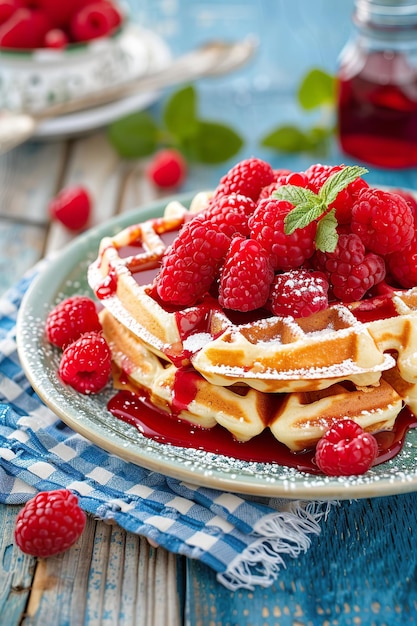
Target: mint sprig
[
  {"x": 310, "y": 206},
  {"x": 179, "y": 126},
  {"x": 316, "y": 92}
]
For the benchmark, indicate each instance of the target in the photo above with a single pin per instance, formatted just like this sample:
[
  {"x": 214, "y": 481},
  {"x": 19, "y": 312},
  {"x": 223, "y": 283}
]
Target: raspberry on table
[
  {"x": 230, "y": 213},
  {"x": 191, "y": 264},
  {"x": 299, "y": 293},
  {"x": 247, "y": 178},
  {"x": 86, "y": 363},
  {"x": 346, "y": 450},
  {"x": 49, "y": 523},
  {"x": 72, "y": 207},
  {"x": 383, "y": 220},
  {"x": 267, "y": 228},
  {"x": 246, "y": 276},
  {"x": 69, "y": 319},
  {"x": 350, "y": 270},
  {"x": 167, "y": 169}
]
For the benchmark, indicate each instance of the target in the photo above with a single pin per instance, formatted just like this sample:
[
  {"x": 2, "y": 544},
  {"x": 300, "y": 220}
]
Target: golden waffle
[
  {"x": 296, "y": 419},
  {"x": 277, "y": 354}
]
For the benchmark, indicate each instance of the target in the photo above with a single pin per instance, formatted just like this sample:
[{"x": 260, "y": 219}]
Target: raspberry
[
  {"x": 298, "y": 293},
  {"x": 7, "y": 8},
  {"x": 247, "y": 178},
  {"x": 351, "y": 272},
  {"x": 86, "y": 363},
  {"x": 383, "y": 220},
  {"x": 72, "y": 207},
  {"x": 49, "y": 523},
  {"x": 246, "y": 276},
  {"x": 410, "y": 199},
  {"x": 346, "y": 449},
  {"x": 267, "y": 227},
  {"x": 403, "y": 265},
  {"x": 191, "y": 264},
  {"x": 25, "y": 29},
  {"x": 92, "y": 21},
  {"x": 167, "y": 169},
  {"x": 317, "y": 176},
  {"x": 230, "y": 213},
  {"x": 70, "y": 319},
  {"x": 56, "y": 38}
]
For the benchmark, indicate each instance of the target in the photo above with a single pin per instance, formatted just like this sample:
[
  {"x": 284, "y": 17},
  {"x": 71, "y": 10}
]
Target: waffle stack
[{"x": 293, "y": 376}]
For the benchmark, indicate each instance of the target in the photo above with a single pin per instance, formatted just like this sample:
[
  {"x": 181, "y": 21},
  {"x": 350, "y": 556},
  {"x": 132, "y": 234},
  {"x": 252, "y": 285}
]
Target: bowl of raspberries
[{"x": 52, "y": 51}]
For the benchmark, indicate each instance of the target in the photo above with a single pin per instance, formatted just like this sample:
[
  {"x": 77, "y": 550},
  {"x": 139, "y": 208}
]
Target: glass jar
[{"x": 377, "y": 85}]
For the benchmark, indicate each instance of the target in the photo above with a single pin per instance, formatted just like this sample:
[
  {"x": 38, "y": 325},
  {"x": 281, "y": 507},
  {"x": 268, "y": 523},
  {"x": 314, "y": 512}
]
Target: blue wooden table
[{"x": 361, "y": 569}]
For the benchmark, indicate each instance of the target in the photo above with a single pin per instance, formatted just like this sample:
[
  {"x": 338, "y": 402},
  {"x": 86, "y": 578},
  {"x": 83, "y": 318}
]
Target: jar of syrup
[{"x": 377, "y": 85}]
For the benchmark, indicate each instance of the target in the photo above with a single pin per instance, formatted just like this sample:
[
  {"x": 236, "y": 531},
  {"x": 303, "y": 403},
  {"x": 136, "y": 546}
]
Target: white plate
[
  {"x": 93, "y": 119},
  {"x": 88, "y": 415}
]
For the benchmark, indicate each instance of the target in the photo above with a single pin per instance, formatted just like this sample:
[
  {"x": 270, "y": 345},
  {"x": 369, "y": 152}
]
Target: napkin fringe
[{"x": 284, "y": 533}]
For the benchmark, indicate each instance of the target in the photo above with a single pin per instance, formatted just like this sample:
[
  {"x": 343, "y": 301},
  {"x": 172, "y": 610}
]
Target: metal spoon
[{"x": 211, "y": 59}]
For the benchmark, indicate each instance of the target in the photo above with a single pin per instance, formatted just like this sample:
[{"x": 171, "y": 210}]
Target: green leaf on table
[
  {"x": 286, "y": 139},
  {"x": 180, "y": 113},
  {"x": 134, "y": 135},
  {"x": 317, "y": 88},
  {"x": 326, "y": 233},
  {"x": 212, "y": 143}
]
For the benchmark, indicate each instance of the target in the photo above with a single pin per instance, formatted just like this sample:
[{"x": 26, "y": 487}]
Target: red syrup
[
  {"x": 135, "y": 409},
  {"x": 377, "y": 112}
]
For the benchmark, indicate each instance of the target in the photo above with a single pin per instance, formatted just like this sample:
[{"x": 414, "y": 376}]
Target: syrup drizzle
[{"x": 136, "y": 409}]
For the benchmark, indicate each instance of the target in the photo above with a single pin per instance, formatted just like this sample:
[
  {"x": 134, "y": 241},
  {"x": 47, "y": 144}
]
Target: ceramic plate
[
  {"x": 65, "y": 276},
  {"x": 92, "y": 119}
]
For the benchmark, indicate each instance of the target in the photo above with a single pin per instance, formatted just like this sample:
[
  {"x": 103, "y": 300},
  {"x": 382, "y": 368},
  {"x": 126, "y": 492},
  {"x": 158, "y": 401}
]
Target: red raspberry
[
  {"x": 246, "y": 276},
  {"x": 410, "y": 199},
  {"x": 230, "y": 213},
  {"x": 70, "y": 319},
  {"x": 298, "y": 293},
  {"x": 86, "y": 363},
  {"x": 403, "y": 265},
  {"x": 49, "y": 523},
  {"x": 7, "y": 8},
  {"x": 59, "y": 13},
  {"x": 72, "y": 207},
  {"x": 267, "y": 191},
  {"x": 346, "y": 449},
  {"x": 191, "y": 264},
  {"x": 93, "y": 21},
  {"x": 351, "y": 272},
  {"x": 383, "y": 220},
  {"x": 317, "y": 176},
  {"x": 56, "y": 38},
  {"x": 167, "y": 169},
  {"x": 247, "y": 178},
  {"x": 25, "y": 29},
  {"x": 267, "y": 227}
]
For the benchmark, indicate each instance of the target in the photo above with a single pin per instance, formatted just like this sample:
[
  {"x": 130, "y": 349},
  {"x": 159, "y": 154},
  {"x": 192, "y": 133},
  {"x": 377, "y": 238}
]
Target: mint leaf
[
  {"x": 338, "y": 181},
  {"x": 212, "y": 143},
  {"x": 180, "y": 113},
  {"x": 326, "y": 234},
  {"x": 310, "y": 206},
  {"x": 317, "y": 88},
  {"x": 134, "y": 136},
  {"x": 287, "y": 139}
]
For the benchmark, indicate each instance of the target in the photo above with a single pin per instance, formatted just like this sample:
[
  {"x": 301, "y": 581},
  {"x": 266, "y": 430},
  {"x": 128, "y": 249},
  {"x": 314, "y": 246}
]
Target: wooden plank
[
  {"x": 92, "y": 163},
  {"x": 109, "y": 577},
  {"x": 21, "y": 246},
  {"x": 29, "y": 178},
  {"x": 16, "y": 571}
]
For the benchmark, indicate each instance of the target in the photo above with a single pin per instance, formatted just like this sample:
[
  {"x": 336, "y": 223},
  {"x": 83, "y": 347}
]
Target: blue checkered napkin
[{"x": 244, "y": 541}]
